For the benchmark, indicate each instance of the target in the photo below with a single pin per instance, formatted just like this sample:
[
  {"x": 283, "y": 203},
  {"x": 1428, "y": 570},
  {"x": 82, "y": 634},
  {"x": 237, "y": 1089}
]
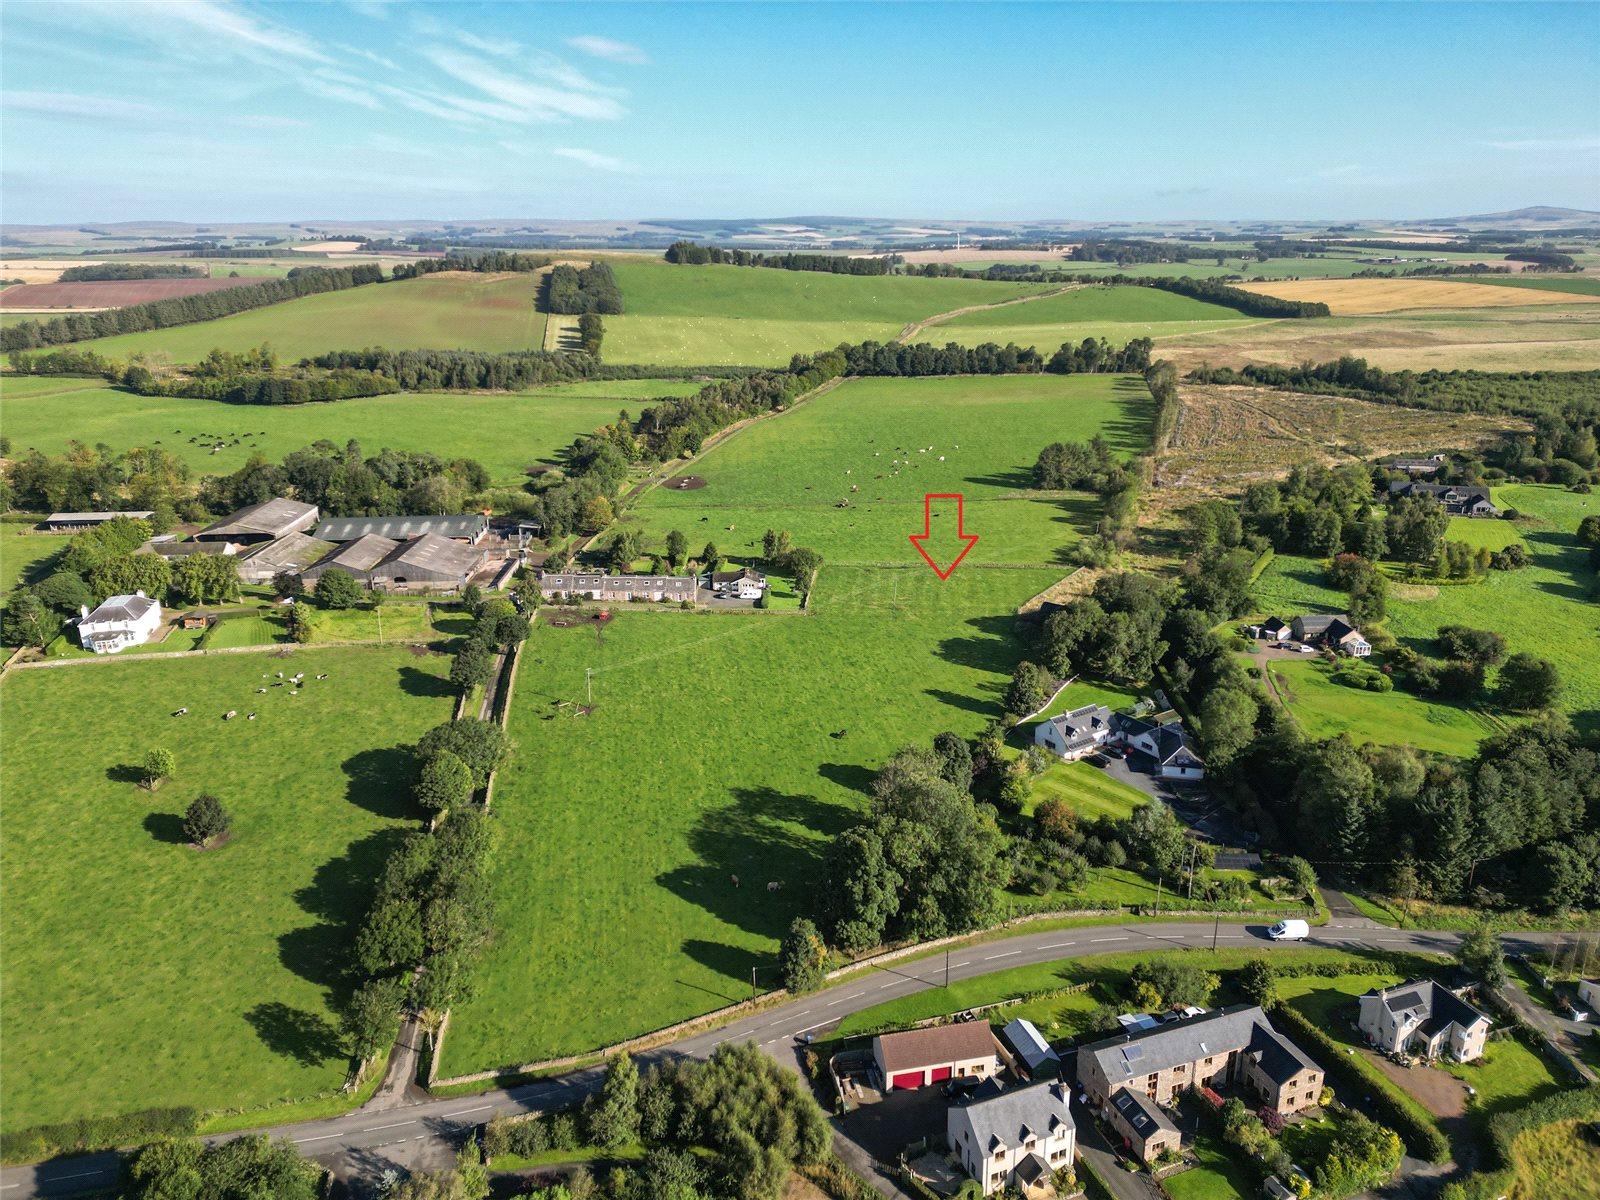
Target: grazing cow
[
  {"x": 735, "y": 880},
  {"x": 229, "y": 715},
  {"x": 180, "y": 712},
  {"x": 775, "y": 886},
  {"x": 251, "y": 717}
]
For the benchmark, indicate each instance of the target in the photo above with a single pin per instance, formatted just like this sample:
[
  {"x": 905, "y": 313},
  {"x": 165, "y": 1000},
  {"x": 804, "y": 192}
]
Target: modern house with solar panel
[
  {"x": 1228, "y": 1048},
  {"x": 1073, "y": 734},
  {"x": 1423, "y": 1018},
  {"x": 1019, "y": 1138}
]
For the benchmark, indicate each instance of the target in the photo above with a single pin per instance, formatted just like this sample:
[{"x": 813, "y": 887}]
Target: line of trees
[
  {"x": 692, "y": 254},
  {"x": 186, "y": 310},
  {"x": 572, "y": 291},
  {"x": 98, "y": 272},
  {"x": 480, "y": 261}
]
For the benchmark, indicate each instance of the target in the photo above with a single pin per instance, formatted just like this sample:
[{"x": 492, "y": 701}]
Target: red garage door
[
  {"x": 908, "y": 1079},
  {"x": 940, "y": 1074}
]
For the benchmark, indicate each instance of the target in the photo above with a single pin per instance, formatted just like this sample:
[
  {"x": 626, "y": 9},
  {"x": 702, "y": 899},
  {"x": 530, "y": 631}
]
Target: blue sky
[{"x": 209, "y": 110}]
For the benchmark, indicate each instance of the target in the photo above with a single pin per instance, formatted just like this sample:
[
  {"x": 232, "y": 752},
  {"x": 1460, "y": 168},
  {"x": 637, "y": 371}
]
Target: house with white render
[{"x": 119, "y": 622}]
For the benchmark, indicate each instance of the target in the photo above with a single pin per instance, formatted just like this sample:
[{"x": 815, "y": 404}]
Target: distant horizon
[{"x": 368, "y": 108}]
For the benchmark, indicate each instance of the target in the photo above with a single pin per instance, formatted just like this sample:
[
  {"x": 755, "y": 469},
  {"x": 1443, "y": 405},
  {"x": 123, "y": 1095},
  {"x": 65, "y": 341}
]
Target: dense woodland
[
  {"x": 694, "y": 255},
  {"x": 572, "y": 291},
  {"x": 97, "y": 272}
]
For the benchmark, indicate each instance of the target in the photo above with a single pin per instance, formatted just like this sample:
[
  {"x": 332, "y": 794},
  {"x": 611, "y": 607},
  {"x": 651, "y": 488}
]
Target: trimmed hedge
[
  {"x": 98, "y": 1133},
  {"x": 1393, "y": 1108}
]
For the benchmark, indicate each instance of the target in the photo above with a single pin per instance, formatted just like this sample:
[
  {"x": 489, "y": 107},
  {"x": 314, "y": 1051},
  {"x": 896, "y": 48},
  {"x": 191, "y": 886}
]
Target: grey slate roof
[
  {"x": 1015, "y": 1115},
  {"x": 120, "y": 609},
  {"x": 363, "y": 554},
  {"x": 1316, "y": 625},
  {"x": 273, "y": 517},
  {"x": 1143, "y": 1115},
  {"x": 432, "y": 552},
  {"x": 1126, "y": 1058},
  {"x": 293, "y": 551},
  {"x": 1436, "y": 1004},
  {"x": 348, "y": 529},
  {"x": 1279, "y": 1058},
  {"x": 86, "y": 517},
  {"x": 1083, "y": 726}
]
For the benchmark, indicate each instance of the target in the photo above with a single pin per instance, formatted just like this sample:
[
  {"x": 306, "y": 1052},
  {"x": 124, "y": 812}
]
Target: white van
[{"x": 1289, "y": 931}]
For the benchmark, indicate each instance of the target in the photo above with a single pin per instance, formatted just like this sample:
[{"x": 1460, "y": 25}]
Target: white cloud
[
  {"x": 333, "y": 85},
  {"x": 499, "y": 49},
  {"x": 225, "y": 23},
  {"x": 528, "y": 100},
  {"x": 593, "y": 158},
  {"x": 74, "y": 105},
  {"x": 609, "y": 49},
  {"x": 1575, "y": 143}
]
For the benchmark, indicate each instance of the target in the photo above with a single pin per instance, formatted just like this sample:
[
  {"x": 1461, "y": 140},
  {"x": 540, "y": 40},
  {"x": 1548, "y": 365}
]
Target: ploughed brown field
[{"x": 111, "y": 293}]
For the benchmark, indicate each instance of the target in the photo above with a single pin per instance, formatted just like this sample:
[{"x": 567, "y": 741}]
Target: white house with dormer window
[
  {"x": 119, "y": 622},
  {"x": 1019, "y": 1138}
]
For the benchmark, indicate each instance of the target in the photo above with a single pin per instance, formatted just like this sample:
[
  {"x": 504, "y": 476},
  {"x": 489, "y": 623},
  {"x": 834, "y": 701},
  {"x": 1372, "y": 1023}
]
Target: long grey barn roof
[
  {"x": 348, "y": 529},
  {"x": 431, "y": 552},
  {"x": 133, "y": 514},
  {"x": 298, "y": 550},
  {"x": 270, "y": 516},
  {"x": 363, "y": 554}
]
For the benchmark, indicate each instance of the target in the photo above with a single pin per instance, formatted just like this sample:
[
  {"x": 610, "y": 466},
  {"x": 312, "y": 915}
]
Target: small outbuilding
[
  {"x": 919, "y": 1057},
  {"x": 1031, "y": 1049},
  {"x": 77, "y": 522}
]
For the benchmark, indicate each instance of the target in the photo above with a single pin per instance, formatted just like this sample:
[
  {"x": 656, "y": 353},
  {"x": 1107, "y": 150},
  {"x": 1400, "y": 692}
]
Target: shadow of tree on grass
[{"x": 309, "y": 1039}]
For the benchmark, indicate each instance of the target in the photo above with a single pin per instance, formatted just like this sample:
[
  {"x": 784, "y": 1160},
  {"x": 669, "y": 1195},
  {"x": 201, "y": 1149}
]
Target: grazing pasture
[
  {"x": 1118, "y": 314},
  {"x": 1586, "y": 285},
  {"x": 447, "y": 311},
  {"x": 791, "y": 472},
  {"x": 762, "y": 317},
  {"x": 621, "y": 891},
  {"x": 25, "y": 555},
  {"x": 140, "y": 972},
  {"x": 1355, "y": 297},
  {"x": 1478, "y": 533},
  {"x": 507, "y": 432}
]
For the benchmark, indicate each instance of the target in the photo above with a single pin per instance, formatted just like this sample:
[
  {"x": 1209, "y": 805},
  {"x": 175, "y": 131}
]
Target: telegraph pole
[
  {"x": 1158, "y": 894},
  {"x": 1215, "y": 929},
  {"x": 947, "y": 967},
  {"x": 588, "y": 681}
]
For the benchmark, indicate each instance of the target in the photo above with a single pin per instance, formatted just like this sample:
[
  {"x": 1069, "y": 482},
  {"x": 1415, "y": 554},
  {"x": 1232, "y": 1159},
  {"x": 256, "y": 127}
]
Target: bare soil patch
[
  {"x": 1357, "y": 297},
  {"x": 111, "y": 293},
  {"x": 685, "y": 483}
]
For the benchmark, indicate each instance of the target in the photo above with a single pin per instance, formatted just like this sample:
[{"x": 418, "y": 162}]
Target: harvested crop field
[
  {"x": 111, "y": 293},
  {"x": 1229, "y": 437},
  {"x": 1354, "y": 297}
]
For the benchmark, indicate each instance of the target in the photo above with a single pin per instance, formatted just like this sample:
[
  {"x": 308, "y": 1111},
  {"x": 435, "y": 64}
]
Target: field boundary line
[
  {"x": 290, "y": 647},
  {"x": 916, "y": 327}
]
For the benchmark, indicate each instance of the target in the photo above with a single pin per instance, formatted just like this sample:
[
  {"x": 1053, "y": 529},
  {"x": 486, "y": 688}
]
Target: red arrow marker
[{"x": 968, "y": 539}]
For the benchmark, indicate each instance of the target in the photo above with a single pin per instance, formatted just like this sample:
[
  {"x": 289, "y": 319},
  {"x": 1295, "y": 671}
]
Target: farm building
[
  {"x": 1074, "y": 734},
  {"x": 77, "y": 522},
  {"x": 1273, "y": 629},
  {"x": 468, "y": 528},
  {"x": 293, "y": 552},
  {"x": 919, "y": 1057},
  {"x": 1145, "y": 1130},
  {"x": 1457, "y": 501},
  {"x": 428, "y": 563},
  {"x": 1234, "y": 1046},
  {"x": 118, "y": 622},
  {"x": 262, "y": 522},
  {"x": 360, "y": 558},
  {"x": 1333, "y": 631},
  {"x": 1030, "y": 1049},
  {"x": 1423, "y": 1018},
  {"x": 601, "y": 586},
  {"x": 744, "y": 584},
  {"x": 1020, "y": 1138},
  {"x": 171, "y": 549},
  {"x": 1419, "y": 466},
  {"x": 1164, "y": 740}
]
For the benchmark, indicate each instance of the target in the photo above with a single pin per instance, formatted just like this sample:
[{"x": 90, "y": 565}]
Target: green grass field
[
  {"x": 1089, "y": 790},
  {"x": 1117, "y": 314},
  {"x": 1583, "y": 285},
  {"x": 761, "y": 317},
  {"x": 25, "y": 555},
  {"x": 1327, "y": 709},
  {"x": 139, "y": 972},
  {"x": 447, "y": 311},
  {"x": 1557, "y": 1160},
  {"x": 507, "y": 433},
  {"x": 1492, "y": 535},
  {"x": 1546, "y": 609},
  {"x": 791, "y": 472},
  {"x": 623, "y": 893}
]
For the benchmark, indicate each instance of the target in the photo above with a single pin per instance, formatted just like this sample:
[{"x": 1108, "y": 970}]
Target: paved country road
[{"x": 424, "y": 1135}]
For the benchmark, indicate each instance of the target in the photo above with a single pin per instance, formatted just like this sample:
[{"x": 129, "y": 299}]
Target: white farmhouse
[
  {"x": 118, "y": 623},
  {"x": 1074, "y": 734}
]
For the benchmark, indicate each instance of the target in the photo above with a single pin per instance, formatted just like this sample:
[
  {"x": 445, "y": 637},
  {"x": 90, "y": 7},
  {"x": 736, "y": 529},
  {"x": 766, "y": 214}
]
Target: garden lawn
[
  {"x": 139, "y": 972},
  {"x": 1546, "y": 609},
  {"x": 1327, "y": 709},
  {"x": 1089, "y": 790},
  {"x": 792, "y": 471},
  {"x": 247, "y": 629},
  {"x": 507, "y": 433},
  {"x": 1220, "y": 1176},
  {"x": 1476, "y": 532},
  {"x": 25, "y": 556},
  {"x": 1508, "y": 1076},
  {"x": 394, "y": 621},
  {"x": 450, "y": 310},
  {"x": 710, "y": 754},
  {"x": 757, "y": 316}
]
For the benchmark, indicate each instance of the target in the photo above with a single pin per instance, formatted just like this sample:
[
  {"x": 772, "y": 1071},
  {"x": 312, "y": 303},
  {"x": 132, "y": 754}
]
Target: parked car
[
  {"x": 964, "y": 1086},
  {"x": 1114, "y": 751},
  {"x": 1098, "y": 760}
]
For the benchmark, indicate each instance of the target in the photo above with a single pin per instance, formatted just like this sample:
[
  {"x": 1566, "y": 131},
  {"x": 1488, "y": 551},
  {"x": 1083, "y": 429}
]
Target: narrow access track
[
  {"x": 424, "y": 1135},
  {"x": 916, "y": 327}
]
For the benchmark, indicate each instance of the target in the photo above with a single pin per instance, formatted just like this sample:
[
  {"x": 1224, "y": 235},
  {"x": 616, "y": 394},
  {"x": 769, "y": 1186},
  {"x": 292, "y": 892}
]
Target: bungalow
[
  {"x": 744, "y": 584},
  {"x": 1229, "y": 1046},
  {"x": 118, "y": 622},
  {"x": 263, "y": 522},
  {"x": 1422, "y": 1018},
  {"x": 1031, "y": 1050},
  {"x": 1458, "y": 500},
  {"x": 1145, "y": 1129},
  {"x": 597, "y": 585},
  {"x": 1019, "y": 1138},
  {"x": 469, "y": 528},
  {"x": 1074, "y": 734},
  {"x": 919, "y": 1057},
  {"x": 1163, "y": 740},
  {"x": 77, "y": 522},
  {"x": 1333, "y": 631}
]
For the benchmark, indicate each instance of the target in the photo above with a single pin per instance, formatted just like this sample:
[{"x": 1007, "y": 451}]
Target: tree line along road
[{"x": 425, "y": 1135}]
